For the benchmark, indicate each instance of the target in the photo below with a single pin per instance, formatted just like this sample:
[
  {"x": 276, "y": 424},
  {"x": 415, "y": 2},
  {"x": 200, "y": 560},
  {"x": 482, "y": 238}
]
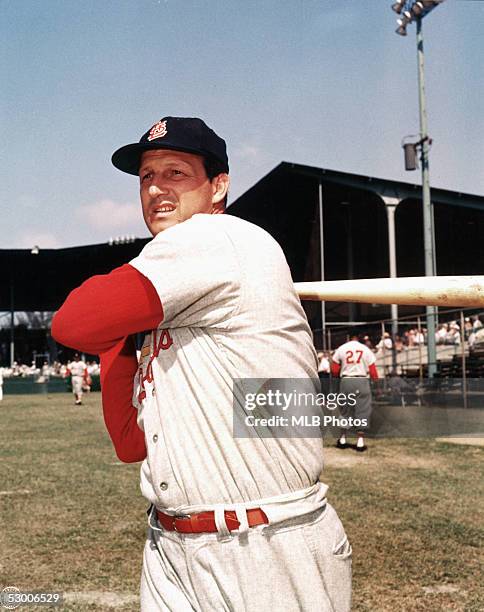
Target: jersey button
[
  {"x": 164, "y": 486},
  {"x": 155, "y": 438},
  {"x": 153, "y": 392}
]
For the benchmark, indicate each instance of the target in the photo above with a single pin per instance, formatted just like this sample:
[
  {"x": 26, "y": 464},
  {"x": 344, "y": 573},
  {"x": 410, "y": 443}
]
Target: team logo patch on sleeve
[{"x": 158, "y": 130}]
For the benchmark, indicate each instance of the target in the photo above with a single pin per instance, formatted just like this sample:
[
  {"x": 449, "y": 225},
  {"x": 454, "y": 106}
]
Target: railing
[{"x": 461, "y": 360}]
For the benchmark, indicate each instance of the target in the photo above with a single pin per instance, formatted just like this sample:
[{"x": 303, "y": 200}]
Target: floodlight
[
  {"x": 405, "y": 19},
  {"x": 410, "y": 152},
  {"x": 407, "y": 15},
  {"x": 417, "y": 9},
  {"x": 402, "y": 30},
  {"x": 398, "y": 6}
]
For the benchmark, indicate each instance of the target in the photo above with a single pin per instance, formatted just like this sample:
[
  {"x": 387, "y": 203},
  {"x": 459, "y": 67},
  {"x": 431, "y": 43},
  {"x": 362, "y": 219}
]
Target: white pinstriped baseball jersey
[{"x": 230, "y": 311}]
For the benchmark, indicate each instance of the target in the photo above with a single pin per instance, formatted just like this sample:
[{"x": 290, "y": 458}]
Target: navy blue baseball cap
[{"x": 191, "y": 135}]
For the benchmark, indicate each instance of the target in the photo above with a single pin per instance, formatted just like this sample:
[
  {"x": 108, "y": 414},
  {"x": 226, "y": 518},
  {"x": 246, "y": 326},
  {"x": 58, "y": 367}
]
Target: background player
[
  {"x": 354, "y": 363},
  {"x": 77, "y": 370}
]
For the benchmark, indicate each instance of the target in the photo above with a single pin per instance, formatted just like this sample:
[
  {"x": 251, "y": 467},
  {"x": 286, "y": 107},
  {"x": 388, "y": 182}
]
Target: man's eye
[
  {"x": 146, "y": 177},
  {"x": 176, "y": 172}
]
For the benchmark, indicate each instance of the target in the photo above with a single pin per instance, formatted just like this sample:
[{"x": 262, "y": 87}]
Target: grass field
[{"x": 73, "y": 520}]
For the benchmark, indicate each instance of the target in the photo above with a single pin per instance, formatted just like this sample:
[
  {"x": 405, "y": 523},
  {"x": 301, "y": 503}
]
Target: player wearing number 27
[{"x": 354, "y": 363}]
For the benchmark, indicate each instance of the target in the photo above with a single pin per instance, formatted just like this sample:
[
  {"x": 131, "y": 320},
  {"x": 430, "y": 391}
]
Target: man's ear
[{"x": 220, "y": 185}]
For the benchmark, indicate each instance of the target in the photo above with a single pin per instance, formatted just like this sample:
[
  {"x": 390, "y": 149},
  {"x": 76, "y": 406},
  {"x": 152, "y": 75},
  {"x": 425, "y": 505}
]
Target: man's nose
[{"x": 156, "y": 190}]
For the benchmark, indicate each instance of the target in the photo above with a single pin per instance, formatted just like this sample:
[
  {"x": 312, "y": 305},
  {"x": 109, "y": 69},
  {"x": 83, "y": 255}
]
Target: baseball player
[
  {"x": 355, "y": 363},
  {"x": 77, "y": 370},
  {"x": 235, "y": 523}
]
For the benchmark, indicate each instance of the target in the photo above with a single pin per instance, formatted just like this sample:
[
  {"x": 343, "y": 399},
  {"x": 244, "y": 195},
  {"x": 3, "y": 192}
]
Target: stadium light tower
[{"x": 409, "y": 11}]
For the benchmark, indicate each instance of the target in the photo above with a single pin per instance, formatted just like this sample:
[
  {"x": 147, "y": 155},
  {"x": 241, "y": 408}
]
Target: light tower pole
[
  {"x": 411, "y": 10},
  {"x": 428, "y": 209}
]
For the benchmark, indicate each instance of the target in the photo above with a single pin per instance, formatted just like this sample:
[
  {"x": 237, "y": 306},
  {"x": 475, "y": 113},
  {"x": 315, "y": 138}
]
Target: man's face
[{"x": 174, "y": 186}]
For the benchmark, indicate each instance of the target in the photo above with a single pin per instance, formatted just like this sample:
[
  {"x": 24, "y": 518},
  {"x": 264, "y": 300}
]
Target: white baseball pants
[
  {"x": 300, "y": 564},
  {"x": 77, "y": 385}
]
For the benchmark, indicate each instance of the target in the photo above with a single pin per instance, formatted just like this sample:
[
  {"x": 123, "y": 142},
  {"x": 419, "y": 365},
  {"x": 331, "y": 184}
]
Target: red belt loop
[{"x": 204, "y": 522}]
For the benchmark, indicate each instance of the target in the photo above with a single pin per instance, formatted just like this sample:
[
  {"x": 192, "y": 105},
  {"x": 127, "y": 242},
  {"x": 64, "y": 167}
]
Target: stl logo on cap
[{"x": 158, "y": 130}]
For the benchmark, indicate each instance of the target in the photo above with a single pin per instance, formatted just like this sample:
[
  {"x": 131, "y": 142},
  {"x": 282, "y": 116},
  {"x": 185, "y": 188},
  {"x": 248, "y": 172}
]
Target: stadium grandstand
[{"x": 359, "y": 214}]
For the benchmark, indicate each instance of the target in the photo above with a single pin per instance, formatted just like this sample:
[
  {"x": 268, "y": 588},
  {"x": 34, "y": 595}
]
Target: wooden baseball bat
[{"x": 460, "y": 291}]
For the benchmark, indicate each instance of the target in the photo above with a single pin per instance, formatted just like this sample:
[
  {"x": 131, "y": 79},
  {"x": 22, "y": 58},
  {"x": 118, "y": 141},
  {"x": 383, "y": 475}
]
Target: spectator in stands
[
  {"x": 477, "y": 324},
  {"x": 441, "y": 334},
  {"x": 453, "y": 335},
  {"x": 419, "y": 338},
  {"x": 476, "y": 339},
  {"x": 385, "y": 344},
  {"x": 45, "y": 371},
  {"x": 93, "y": 368},
  {"x": 367, "y": 342},
  {"x": 57, "y": 368},
  {"x": 33, "y": 370},
  {"x": 471, "y": 340},
  {"x": 324, "y": 366},
  {"x": 410, "y": 337}
]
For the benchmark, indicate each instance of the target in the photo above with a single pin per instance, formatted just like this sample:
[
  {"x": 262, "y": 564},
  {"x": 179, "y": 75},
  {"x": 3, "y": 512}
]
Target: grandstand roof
[
  {"x": 42, "y": 281},
  {"x": 285, "y": 203},
  {"x": 386, "y": 187}
]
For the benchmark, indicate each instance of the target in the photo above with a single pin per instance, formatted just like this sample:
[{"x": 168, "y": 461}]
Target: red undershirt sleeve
[
  {"x": 335, "y": 369},
  {"x": 118, "y": 368},
  {"x": 105, "y": 309},
  {"x": 373, "y": 371},
  {"x": 97, "y": 318}
]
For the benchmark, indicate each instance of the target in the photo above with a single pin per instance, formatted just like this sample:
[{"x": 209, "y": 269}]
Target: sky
[{"x": 326, "y": 83}]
